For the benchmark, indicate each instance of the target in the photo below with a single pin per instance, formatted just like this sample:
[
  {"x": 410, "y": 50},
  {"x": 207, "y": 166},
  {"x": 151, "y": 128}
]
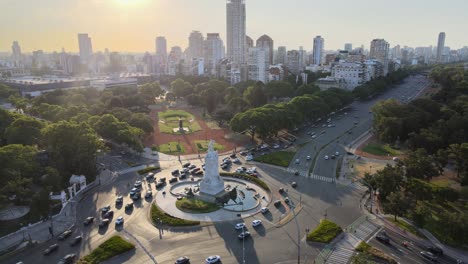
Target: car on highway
[
  {"x": 213, "y": 259},
  {"x": 65, "y": 235},
  {"x": 119, "y": 220},
  {"x": 333, "y": 156},
  {"x": 89, "y": 220},
  {"x": 428, "y": 255},
  {"x": 294, "y": 184},
  {"x": 326, "y": 157},
  {"x": 244, "y": 235},
  {"x": 383, "y": 238},
  {"x": 50, "y": 249},
  {"x": 182, "y": 260},
  {"x": 104, "y": 223},
  {"x": 435, "y": 250},
  {"x": 314, "y": 136},
  {"x": 105, "y": 209},
  {"x": 129, "y": 206},
  {"x": 308, "y": 158},
  {"x": 264, "y": 210},
  {"x": 68, "y": 259},
  {"x": 119, "y": 199},
  {"x": 76, "y": 241},
  {"x": 240, "y": 225},
  {"x": 337, "y": 153},
  {"x": 256, "y": 222}
]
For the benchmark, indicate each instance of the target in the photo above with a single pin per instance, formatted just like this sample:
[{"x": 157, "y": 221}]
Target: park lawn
[
  {"x": 325, "y": 232},
  {"x": 171, "y": 121},
  {"x": 196, "y": 206},
  {"x": 171, "y": 148},
  {"x": 202, "y": 145},
  {"x": 280, "y": 158},
  {"x": 169, "y": 220},
  {"x": 405, "y": 226},
  {"x": 110, "y": 248},
  {"x": 380, "y": 150}
]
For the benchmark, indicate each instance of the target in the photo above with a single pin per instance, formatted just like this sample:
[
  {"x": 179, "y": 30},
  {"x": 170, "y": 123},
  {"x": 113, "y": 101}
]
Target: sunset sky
[{"x": 132, "y": 25}]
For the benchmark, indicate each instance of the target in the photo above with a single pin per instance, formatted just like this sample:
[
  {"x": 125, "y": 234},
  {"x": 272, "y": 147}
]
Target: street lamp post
[{"x": 298, "y": 236}]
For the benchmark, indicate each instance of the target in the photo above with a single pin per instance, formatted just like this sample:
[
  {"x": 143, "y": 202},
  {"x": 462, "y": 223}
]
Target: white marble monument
[{"x": 212, "y": 184}]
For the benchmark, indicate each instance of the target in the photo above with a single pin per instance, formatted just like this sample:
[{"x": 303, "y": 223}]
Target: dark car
[
  {"x": 119, "y": 200},
  {"x": 51, "y": 249},
  {"x": 159, "y": 184},
  {"x": 68, "y": 259},
  {"x": 183, "y": 176},
  {"x": 88, "y": 221},
  {"x": 281, "y": 190},
  {"x": 277, "y": 203},
  {"x": 109, "y": 214},
  {"x": 199, "y": 173},
  {"x": 136, "y": 196},
  {"x": 428, "y": 255},
  {"x": 182, "y": 260},
  {"x": 104, "y": 223},
  {"x": 233, "y": 156},
  {"x": 294, "y": 184},
  {"x": 65, "y": 235},
  {"x": 105, "y": 209},
  {"x": 76, "y": 241},
  {"x": 435, "y": 250},
  {"x": 173, "y": 180},
  {"x": 383, "y": 238},
  {"x": 129, "y": 206},
  {"x": 186, "y": 165},
  {"x": 163, "y": 179},
  {"x": 175, "y": 172}
]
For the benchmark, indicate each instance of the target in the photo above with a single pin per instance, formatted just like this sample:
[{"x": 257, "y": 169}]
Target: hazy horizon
[{"x": 132, "y": 25}]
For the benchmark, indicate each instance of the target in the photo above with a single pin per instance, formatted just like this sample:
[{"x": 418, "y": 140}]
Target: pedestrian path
[
  {"x": 364, "y": 230},
  {"x": 340, "y": 255},
  {"x": 313, "y": 176}
]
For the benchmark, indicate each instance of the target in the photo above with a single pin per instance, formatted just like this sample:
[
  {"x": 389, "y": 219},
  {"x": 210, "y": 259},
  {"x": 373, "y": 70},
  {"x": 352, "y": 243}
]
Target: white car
[
  {"x": 240, "y": 226},
  {"x": 236, "y": 160},
  {"x": 297, "y": 161},
  {"x": 309, "y": 158},
  {"x": 314, "y": 136},
  {"x": 213, "y": 259},
  {"x": 119, "y": 220},
  {"x": 326, "y": 157},
  {"x": 337, "y": 153},
  {"x": 276, "y": 146},
  {"x": 256, "y": 222},
  {"x": 264, "y": 210},
  {"x": 249, "y": 158}
]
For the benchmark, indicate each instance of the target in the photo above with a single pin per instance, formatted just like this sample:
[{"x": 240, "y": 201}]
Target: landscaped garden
[
  {"x": 202, "y": 145},
  {"x": 169, "y": 122},
  {"x": 325, "y": 232},
  {"x": 171, "y": 148},
  {"x": 166, "y": 219},
  {"x": 110, "y": 248},
  {"x": 280, "y": 158},
  {"x": 196, "y": 206}
]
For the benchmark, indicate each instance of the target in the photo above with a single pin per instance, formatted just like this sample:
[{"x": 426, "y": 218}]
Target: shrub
[
  {"x": 325, "y": 232},
  {"x": 196, "y": 206},
  {"x": 247, "y": 178},
  {"x": 169, "y": 219},
  {"x": 110, "y": 248},
  {"x": 148, "y": 169}
]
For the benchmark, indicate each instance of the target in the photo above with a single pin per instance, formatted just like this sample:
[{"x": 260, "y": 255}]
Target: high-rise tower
[
  {"x": 317, "y": 53},
  {"x": 235, "y": 33},
  {"x": 266, "y": 42},
  {"x": 86, "y": 48},
  {"x": 440, "y": 46},
  {"x": 379, "y": 50},
  {"x": 161, "y": 55}
]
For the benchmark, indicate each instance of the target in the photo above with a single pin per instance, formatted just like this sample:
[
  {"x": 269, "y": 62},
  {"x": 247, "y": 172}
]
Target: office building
[
  {"x": 317, "y": 53},
  {"x": 440, "y": 47},
  {"x": 348, "y": 47},
  {"x": 86, "y": 48},
  {"x": 379, "y": 51},
  {"x": 160, "y": 61},
  {"x": 266, "y": 42},
  {"x": 16, "y": 54},
  {"x": 258, "y": 64},
  {"x": 213, "y": 52},
  {"x": 195, "y": 48},
  {"x": 174, "y": 61},
  {"x": 281, "y": 55},
  {"x": 235, "y": 33},
  {"x": 249, "y": 43},
  {"x": 293, "y": 62}
]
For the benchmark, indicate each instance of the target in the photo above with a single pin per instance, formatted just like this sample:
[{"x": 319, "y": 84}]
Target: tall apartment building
[
  {"x": 281, "y": 55},
  {"x": 266, "y": 42},
  {"x": 293, "y": 61},
  {"x": 440, "y": 46},
  {"x": 317, "y": 53},
  {"x": 348, "y": 47},
  {"x": 161, "y": 55},
  {"x": 174, "y": 61},
  {"x": 258, "y": 64},
  {"x": 86, "y": 47},
  {"x": 379, "y": 51},
  {"x": 213, "y": 52},
  {"x": 235, "y": 31},
  {"x": 195, "y": 48},
  {"x": 16, "y": 54}
]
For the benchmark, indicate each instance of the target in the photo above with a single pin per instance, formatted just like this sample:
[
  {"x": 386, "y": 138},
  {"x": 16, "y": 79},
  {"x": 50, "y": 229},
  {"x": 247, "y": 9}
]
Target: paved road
[{"x": 349, "y": 124}]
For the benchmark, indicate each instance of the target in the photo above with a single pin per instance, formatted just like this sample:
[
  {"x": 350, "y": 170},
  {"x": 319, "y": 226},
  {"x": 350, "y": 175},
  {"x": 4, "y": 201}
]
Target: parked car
[
  {"x": 240, "y": 225},
  {"x": 264, "y": 210},
  {"x": 137, "y": 184},
  {"x": 119, "y": 199},
  {"x": 104, "y": 223},
  {"x": 256, "y": 222},
  {"x": 249, "y": 158},
  {"x": 150, "y": 176},
  {"x": 199, "y": 173},
  {"x": 149, "y": 194},
  {"x": 213, "y": 259},
  {"x": 186, "y": 165},
  {"x": 76, "y": 241},
  {"x": 182, "y": 260},
  {"x": 133, "y": 191},
  {"x": 119, "y": 220},
  {"x": 175, "y": 172},
  {"x": 109, "y": 214},
  {"x": 236, "y": 160},
  {"x": 244, "y": 235},
  {"x": 163, "y": 179},
  {"x": 281, "y": 190},
  {"x": 68, "y": 259},
  {"x": 159, "y": 185},
  {"x": 172, "y": 180},
  {"x": 192, "y": 167},
  {"x": 277, "y": 203},
  {"x": 105, "y": 209},
  {"x": 88, "y": 220},
  {"x": 129, "y": 206},
  {"x": 51, "y": 249},
  {"x": 136, "y": 196},
  {"x": 65, "y": 235},
  {"x": 233, "y": 156}
]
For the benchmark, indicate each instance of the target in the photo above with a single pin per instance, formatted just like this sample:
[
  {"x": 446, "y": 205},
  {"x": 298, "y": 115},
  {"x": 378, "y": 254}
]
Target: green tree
[
  {"x": 150, "y": 91},
  {"x": 389, "y": 180},
  {"x": 397, "y": 204},
  {"x": 420, "y": 165},
  {"x": 255, "y": 96},
  {"x": 7, "y": 91},
  {"x": 278, "y": 89},
  {"x": 181, "y": 88},
  {"x": 24, "y": 130},
  {"x": 307, "y": 89},
  {"x": 222, "y": 116},
  {"x": 141, "y": 121}
]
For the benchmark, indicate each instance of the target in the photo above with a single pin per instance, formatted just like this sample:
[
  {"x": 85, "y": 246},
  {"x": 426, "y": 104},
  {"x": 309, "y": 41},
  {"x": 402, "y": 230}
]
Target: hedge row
[
  {"x": 325, "y": 232},
  {"x": 247, "y": 178},
  {"x": 110, "y": 248},
  {"x": 148, "y": 169},
  {"x": 169, "y": 219}
]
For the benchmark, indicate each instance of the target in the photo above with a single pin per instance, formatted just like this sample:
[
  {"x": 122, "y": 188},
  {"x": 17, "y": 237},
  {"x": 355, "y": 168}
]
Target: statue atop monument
[{"x": 212, "y": 184}]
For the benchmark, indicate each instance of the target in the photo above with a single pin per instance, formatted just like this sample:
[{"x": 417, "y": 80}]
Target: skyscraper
[
  {"x": 213, "y": 52},
  {"x": 266, "y": 42},
  {"x": 195, "y": 48},
  {"x": 161, "y": 55},
  {"x": 86, "y": 48},
  {"x": 235, "y": 33},
  {"x": 249, "y": 43},
  {"x": 281, "y": 55},
  {"x": 440, "y": 46},
  {"x": 379, "y": 51},
  {"x": 348, "y": 47},
  {"x": 317, "y": 53},
  {"x": 16, "y": 50}
]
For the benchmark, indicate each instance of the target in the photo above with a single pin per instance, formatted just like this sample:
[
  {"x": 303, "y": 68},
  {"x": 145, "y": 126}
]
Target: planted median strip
[
  {"x": 325, "y": 232},
  {"x": 368, "y": 254},
  {"x": 166, "y": 219},
  {"x": 110, "y": 248},
  {"x": 280, "y": 158}
]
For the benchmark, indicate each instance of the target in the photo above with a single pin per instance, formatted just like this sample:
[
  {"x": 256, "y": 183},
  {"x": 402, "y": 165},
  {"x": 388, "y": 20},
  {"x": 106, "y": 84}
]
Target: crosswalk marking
[
  {"x": 340, "y": 255},
  {"x": 313, "y": 176},
  {"x": 364, "y": 230}
]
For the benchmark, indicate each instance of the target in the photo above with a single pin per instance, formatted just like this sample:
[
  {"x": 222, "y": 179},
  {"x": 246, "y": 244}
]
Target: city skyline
[{"x": 136, "y": 25}]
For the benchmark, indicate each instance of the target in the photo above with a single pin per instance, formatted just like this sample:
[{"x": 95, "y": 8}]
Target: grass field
[
  {"x": 171, "y": 148},
  {"x": 380, "y": 150},
  {"x": 169, "y": 120},
  {"x": 202, "y": 145},
  {"x": 405, "y": 226},
  {"x": 325, "y": 232},
  {"x": 110, "y": 248},
  {"x": 196, "y": 206},
  {"x": 280, "y": 158}
]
